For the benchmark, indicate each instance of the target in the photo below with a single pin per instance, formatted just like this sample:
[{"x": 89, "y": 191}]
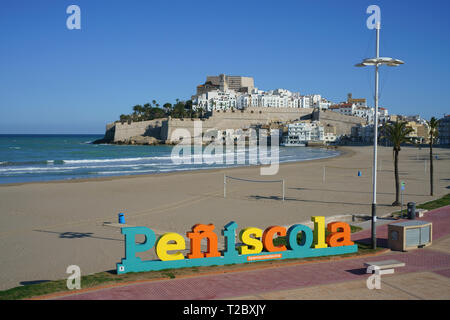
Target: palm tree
[
  {"x": 397, "y": 133},
  {"x": 433, "y": 132}
]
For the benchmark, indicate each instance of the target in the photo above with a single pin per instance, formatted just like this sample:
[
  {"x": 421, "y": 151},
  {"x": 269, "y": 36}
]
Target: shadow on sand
[{"x": 77, "y": 235}]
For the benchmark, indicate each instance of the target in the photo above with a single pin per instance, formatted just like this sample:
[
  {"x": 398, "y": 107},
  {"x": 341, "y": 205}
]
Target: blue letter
[
  {"x": 229, "y": 232},
  {"x": 307, "y": 237},
  {"x": 131, "y": 247}
]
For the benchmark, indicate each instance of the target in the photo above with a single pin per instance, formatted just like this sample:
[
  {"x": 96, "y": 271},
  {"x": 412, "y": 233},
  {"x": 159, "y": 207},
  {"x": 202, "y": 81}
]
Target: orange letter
[
  {"x": 338, "y": 238},
  {"x": 268, "y": 238},
  {"x": 200, "y": 231}
]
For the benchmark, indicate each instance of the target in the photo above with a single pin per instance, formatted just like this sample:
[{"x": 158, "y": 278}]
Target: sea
[{"x": 38, "y": 158}]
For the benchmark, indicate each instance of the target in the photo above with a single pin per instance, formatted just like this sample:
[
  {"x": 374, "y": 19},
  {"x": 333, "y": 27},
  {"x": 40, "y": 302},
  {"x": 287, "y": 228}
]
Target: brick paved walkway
[{"x": 220, "y": 286}]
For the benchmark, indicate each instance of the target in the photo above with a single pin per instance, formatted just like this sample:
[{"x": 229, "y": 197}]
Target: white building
[
  {"x": 304, "y": 132},
  {"x": 279, "y": 98},
  {"x": 367, "y": 113},
  {"x": 215, "y": 100}
]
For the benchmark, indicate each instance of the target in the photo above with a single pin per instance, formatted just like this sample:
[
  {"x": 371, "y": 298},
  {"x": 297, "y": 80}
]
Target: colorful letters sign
[{"x": 256, "y": 245}]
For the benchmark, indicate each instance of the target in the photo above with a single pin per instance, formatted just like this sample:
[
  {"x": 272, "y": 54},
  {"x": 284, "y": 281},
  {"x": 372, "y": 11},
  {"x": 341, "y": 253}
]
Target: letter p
[{"x": 131, "y": 247}]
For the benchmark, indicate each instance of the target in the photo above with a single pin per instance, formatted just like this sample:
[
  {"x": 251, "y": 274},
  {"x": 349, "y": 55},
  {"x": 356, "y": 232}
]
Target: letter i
[{"x": 319, "y": 232}]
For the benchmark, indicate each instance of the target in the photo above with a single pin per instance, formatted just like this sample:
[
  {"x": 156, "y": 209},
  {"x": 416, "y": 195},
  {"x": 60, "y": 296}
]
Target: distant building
[
  {"x": 419, "y": 133},
  {"x": 215, "y": 100},
  {"x": 444, "y": 130},
  {"x": 360, "y": 102},
  {"x": 329, "y": 133},
  {"x": 224, "y": 83},
  {"x": 304, "y": 132},
  {"x": 352, "y": 109},
  {"x": 363, "y": 133},
  {"x": 223, "y": 92}
]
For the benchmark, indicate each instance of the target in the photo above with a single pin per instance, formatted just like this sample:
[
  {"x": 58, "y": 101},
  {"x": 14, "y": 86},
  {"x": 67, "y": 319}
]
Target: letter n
[{"x": 200, "y": 231}]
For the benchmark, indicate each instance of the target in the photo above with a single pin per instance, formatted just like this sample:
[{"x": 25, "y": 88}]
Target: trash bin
[
  {"x": 411, "y": 210},
  {"x": 121, "y": 218}
]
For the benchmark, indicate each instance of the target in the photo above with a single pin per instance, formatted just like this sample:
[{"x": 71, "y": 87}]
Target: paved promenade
[{"x": 425, "y": 276}]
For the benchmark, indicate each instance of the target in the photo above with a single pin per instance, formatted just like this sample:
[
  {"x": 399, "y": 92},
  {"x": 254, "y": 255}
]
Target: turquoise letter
[
  {"x": 131, "y": 247},
  {"x": 229, "y": 232},
  {"x": 307, "y": 237}
]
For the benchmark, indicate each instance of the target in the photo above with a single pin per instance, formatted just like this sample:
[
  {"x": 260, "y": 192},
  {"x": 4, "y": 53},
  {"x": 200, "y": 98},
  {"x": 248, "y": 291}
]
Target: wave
[
  {"x": 113, "y": 160},
  {"x": 34, "y": 162},
  {"x": 55, "y": 168}
]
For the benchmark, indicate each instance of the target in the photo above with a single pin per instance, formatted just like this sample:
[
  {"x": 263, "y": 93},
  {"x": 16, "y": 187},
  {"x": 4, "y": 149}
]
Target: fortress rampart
[{"x": 163, "y": 129}]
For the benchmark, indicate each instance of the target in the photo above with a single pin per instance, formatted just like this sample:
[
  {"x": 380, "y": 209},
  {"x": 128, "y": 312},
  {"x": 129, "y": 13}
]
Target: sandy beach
[{"x": 45, "y": 227}]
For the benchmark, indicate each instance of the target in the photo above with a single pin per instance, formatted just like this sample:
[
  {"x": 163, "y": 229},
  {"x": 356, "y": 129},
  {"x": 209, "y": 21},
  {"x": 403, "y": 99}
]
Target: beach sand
[{"x": 45, "y": 227}]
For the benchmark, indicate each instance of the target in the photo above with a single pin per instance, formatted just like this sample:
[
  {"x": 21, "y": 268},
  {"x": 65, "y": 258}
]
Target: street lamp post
[{"x": 377, "y": 62}]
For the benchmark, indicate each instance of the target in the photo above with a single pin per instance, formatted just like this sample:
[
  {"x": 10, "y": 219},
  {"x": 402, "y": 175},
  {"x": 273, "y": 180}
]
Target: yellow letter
[
  {"x": 254, "y": 244},
  {"x": 163, "y": 246},
  {"x": 319, "y": 232}
]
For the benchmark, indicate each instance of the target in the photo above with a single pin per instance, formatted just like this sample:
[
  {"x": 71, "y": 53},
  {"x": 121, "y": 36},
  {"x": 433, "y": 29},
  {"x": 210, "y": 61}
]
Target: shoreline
[
  {"x": 343, "y": 150},
  {"x": 46, "y": 226}
]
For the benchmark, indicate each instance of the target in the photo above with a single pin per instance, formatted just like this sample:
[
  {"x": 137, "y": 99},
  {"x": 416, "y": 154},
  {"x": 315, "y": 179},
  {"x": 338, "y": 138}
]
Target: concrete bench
[{"x": 385, "y": 264}]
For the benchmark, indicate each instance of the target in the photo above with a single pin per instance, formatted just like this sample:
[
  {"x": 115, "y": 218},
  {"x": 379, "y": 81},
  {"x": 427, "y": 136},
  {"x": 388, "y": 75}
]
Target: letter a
[
  {"x": 74, "y": 20},
  {"x": 374, "y": 20},
  {"x": 340, "y": 234}
]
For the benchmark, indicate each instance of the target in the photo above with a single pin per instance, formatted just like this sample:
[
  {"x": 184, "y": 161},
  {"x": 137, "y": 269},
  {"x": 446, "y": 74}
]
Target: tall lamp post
[{"x": 377, "y": 62}]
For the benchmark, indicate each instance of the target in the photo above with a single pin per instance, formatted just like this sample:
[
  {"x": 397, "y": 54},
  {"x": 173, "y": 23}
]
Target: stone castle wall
[
  {"x": 238, "y": 119},
  {"x": 164, "y": 129},
  {"x": 341, "y": 122},
  {"x": 124, "y": 131}
]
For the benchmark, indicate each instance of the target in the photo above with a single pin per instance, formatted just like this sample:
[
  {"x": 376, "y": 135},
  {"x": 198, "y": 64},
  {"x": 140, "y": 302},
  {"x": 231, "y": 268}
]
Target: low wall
[
  {"x": 238, "y": 119},
  {"x": 164, "y": 129},
  {"x": 124, "y": 131},
  {"x": 341, "y": 122}
]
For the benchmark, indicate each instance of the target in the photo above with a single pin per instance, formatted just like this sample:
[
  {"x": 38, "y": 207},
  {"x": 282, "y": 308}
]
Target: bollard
[{"x": 121, "y": 218}]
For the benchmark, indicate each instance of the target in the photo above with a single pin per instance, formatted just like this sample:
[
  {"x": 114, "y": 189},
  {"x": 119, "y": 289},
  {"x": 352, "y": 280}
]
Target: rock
[
  {"x": 102, "y": 141},
  {"x": 143, "y": 140}
]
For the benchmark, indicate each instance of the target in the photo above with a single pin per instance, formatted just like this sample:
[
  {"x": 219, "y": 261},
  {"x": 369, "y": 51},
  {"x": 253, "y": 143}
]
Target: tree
[
  {"x": 433, "y": 133},
  {"x": 147, "y": 110},
  {"x": 397, "y": 133},
  {"x": 200, "y": 112},
  {"x": 179, "y": 110},
  {"x": 138, "y": 110}
]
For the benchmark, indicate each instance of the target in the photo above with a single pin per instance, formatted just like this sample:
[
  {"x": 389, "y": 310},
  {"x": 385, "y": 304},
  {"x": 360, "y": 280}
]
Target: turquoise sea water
[{"x": 27, "y": 158}]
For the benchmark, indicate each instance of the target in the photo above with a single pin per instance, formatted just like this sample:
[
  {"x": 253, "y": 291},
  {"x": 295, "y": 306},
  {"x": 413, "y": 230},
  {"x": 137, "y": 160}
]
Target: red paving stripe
[
  {"x": 260, "y": 281},
  {"x": 283, "y": 278}
]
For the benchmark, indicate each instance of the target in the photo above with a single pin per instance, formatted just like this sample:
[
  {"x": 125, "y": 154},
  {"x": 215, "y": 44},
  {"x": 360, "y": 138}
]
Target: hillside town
[
  {"x": 232, "y": 108},
  {"x": 224, "y": 92}
]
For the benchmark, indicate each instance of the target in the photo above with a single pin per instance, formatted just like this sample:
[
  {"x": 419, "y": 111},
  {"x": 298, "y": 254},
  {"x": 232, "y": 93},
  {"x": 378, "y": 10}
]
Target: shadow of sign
[{"x": 77, "y": 235}]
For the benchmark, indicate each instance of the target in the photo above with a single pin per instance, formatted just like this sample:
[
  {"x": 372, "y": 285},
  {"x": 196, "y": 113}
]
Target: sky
[{"x": 56, "y": 80}]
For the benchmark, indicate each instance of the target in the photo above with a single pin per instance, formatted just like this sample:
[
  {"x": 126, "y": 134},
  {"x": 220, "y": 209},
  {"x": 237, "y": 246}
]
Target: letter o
[{"x": 307, "y": 237}]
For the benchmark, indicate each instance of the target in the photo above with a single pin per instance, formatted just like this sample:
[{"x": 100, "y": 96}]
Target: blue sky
[{"x": 55, "y": 80}]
